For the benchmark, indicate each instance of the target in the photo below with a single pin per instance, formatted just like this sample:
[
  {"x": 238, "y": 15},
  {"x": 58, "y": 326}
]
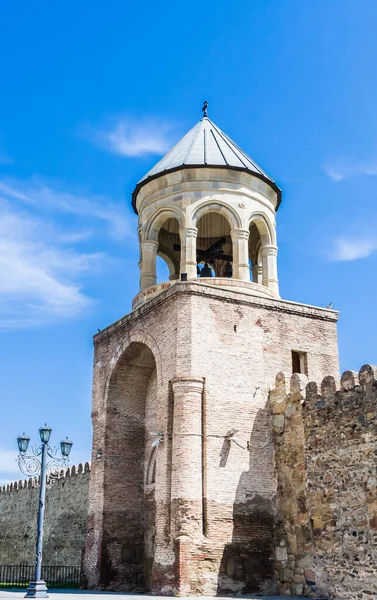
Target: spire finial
[{"x": 204, "y": 109}]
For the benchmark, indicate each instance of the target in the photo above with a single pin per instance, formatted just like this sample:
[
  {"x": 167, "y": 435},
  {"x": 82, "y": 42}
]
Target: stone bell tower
[{"x": 182, "y": 493}]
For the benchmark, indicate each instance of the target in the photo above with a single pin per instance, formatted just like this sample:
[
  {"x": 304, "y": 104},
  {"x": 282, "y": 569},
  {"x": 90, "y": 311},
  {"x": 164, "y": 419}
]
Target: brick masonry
[
  {"x": 192, "y": 364},
  {"x": 65, "y": 519}
]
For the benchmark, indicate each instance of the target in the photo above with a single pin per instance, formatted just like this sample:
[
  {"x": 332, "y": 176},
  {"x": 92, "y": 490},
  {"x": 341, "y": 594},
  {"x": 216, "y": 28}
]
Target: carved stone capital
[
  {"x": 149, "y": 245},
  {"x": 269, "y": 251},
  {"x": 239, "y": 234},
  {"x": 188, "y": 232}
]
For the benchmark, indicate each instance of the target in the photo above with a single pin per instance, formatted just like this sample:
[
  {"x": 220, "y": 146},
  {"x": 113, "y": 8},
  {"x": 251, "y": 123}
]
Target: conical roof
[{"x": 205, "y": 145}]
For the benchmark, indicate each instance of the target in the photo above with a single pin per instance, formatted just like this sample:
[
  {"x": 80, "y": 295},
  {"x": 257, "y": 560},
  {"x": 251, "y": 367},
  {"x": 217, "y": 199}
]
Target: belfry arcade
[{"x": 209, "y": 212}]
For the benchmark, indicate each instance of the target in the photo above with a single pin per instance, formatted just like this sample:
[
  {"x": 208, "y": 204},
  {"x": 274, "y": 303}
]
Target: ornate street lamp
[{"x": 48, "y": 465}]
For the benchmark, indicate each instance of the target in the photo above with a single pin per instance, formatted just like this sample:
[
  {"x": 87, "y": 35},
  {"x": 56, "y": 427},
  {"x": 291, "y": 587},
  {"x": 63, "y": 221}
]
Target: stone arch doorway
[{"x": 129, "y": 500}]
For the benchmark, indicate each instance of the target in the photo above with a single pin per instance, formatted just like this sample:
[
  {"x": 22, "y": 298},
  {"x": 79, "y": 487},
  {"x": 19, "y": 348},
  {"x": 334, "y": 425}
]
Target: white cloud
[
  {"x": 37, "y": 193},
  {"x": 42, "y": 266},
  {"x": 352, "y": 248},
  {"x": 129, "y": 137},
  {"x": 344, "y": 169},
  {"x": 38, "y": 281}
]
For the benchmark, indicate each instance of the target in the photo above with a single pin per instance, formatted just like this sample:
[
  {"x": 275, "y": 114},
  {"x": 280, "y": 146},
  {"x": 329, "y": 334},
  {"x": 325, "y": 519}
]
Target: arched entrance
[{"x": 129, "y": 500}]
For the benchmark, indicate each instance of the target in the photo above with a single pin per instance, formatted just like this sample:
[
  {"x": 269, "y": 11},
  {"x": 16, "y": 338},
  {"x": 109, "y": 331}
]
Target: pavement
[{"x": 90, "y": 595}]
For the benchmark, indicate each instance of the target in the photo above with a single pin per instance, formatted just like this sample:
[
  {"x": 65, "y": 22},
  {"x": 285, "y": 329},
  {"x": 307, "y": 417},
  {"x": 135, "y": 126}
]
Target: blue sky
[{"x": 93, "y": 93}]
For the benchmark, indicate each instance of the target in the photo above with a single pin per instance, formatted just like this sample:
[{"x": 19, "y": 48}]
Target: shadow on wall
[{"x": 247, "y": 564}]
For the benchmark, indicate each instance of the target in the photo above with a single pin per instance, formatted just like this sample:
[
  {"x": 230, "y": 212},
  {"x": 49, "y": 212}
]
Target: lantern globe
[
  {"x": 65, "y": 447},
  {"x": 45, "y": 433},
  {"x": 23, "y": 443}
]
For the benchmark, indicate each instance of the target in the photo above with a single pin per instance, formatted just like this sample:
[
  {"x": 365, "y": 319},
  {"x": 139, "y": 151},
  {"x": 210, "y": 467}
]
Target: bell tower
[
  {"x": 209, "y": 211},
  {"x": 183, "y": 486}
]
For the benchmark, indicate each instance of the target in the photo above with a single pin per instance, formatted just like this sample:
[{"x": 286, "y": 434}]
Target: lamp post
[{"x": 45, "y": 463}]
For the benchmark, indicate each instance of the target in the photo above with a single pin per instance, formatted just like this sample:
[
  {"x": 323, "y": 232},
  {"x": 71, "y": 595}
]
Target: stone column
[
  {"x": 257, "y": 273},
  {"x": 269, "y": 266},
  {"x": 187, "y": 492},
  {"x": 240, "y": 239},
  {"x": 148, "y": 264},
  {"x": 188, "y": 251}
]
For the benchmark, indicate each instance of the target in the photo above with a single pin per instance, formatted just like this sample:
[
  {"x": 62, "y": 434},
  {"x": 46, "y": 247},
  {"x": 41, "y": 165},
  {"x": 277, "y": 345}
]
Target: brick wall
[
  {"x": 213, "y": 499},
  {"x": 65, "y": 520}
]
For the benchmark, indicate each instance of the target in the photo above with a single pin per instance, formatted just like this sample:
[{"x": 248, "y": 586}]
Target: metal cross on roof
[{"x": 204, "y": 109}]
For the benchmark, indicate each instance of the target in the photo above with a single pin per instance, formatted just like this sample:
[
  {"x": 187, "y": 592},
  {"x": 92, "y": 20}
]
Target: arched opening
[
  {"x": 162, "y": 269},
  {"x": 129, "y": 499},
  {"x": 169, "y": 250},
  {"x": 214, "y": 249},
  {"x": 255, "y": 258}
]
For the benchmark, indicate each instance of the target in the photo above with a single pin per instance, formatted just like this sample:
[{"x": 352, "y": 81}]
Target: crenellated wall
[
  {"x": 65, "y": 519},
  {"x": 325, "y": 460}
]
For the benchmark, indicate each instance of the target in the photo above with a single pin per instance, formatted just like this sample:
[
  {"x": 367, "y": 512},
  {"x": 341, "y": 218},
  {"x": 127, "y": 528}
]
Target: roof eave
[{"x": 261, "y": 176}]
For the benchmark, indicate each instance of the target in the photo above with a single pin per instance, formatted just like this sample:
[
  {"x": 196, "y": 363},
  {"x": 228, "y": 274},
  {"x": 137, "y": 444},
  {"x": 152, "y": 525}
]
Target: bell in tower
[{"x": 182, "y": 495}]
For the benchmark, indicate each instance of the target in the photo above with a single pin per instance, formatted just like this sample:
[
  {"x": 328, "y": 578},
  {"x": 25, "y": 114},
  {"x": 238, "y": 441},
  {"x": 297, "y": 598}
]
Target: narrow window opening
[
  {"x": 299, "y": 362},
  {"x": 153, "y": 478}
]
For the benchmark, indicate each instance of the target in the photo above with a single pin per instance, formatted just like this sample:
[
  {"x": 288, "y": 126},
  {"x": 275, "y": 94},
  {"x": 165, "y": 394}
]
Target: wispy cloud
[
  {"x": 346, "y": 249},
  {"x": 344, "y": 169},
  {"x": 130, "y": 137},
  {"x": 38, "y": 194},
  {"x": 43, "y": 267}
]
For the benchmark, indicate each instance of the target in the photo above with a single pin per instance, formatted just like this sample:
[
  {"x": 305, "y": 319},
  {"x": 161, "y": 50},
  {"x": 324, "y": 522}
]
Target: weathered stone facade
[
  {"x": 326, "y": 457},
  {"x": 192, "y": 364},
  {"x": 65, "y": 519}
]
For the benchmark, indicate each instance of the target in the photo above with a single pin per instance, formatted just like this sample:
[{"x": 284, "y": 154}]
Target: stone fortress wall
[
  {"x": 326, "y": 509},
  {"x": 65, "y": 519}
]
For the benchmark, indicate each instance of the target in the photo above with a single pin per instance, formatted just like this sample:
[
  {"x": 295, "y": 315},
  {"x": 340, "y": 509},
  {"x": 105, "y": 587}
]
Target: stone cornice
[{"x": 228, "y": 296}]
